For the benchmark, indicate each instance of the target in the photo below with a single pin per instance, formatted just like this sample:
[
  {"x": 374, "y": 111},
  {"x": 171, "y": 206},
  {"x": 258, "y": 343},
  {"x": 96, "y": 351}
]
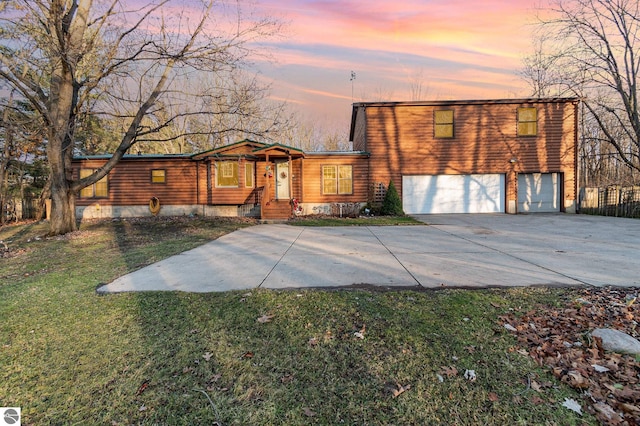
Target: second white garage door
[
  {"x": 538, "y": 193},
  {"x": 482, "y": 193}
]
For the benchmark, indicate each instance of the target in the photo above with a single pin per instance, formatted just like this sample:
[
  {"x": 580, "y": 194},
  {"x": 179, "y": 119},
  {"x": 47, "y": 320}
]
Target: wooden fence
[
  {"x": 16, "y": 209},
  {"x": 620, "y": 201}
]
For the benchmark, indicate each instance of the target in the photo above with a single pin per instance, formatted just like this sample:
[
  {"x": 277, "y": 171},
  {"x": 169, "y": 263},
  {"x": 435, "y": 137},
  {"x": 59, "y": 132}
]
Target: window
[
  {"x": 227, "y": 174},
  {"x": 248, "y": 175},
  {"x": 100, "y": 189},
  {"x": 337, "y": 180},
  {"x": 527, "y": 121},
  {"x": 443, "y": 124},
  {"x": 158, "y": 176}
]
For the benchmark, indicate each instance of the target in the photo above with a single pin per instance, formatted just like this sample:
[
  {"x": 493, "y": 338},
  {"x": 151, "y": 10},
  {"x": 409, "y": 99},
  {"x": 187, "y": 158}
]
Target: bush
[{"x": 392, "y": 204}]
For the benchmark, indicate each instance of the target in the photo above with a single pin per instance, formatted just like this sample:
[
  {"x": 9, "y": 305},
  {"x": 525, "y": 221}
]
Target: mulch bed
[{"x": 559, "y": 339}]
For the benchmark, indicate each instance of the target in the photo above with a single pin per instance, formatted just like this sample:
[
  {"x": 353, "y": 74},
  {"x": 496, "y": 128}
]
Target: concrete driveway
[{"x": 452, "y": 251}]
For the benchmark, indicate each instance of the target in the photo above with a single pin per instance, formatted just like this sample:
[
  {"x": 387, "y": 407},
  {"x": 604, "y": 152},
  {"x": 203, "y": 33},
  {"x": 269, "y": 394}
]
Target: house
[
  {"x": 511, "y": 156},
  {"x": 247, "y": 178}
]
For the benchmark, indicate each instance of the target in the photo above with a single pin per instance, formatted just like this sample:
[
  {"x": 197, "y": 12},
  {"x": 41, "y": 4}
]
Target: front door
[{"x": 282, "y": 181}]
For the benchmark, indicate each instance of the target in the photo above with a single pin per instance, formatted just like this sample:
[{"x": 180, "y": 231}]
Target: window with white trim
[{"x": 337, "y": 179}]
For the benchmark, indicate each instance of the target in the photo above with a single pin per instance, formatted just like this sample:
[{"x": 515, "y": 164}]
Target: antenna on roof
[{"x": 353, "y": 77}]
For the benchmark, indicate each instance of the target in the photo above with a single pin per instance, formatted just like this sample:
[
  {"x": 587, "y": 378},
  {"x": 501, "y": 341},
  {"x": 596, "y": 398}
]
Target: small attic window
[
  {"x": 158, "y": 176},
  {"x": 527, "y": 121}
]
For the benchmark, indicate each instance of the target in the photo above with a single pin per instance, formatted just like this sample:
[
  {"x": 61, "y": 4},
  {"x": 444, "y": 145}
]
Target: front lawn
[{"x": 263, "y": 357}]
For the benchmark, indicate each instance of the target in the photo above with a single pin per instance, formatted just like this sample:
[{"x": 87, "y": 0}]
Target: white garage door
[
  {"x": 453, "y": 194},
  {"x": 538, "y": 193}
]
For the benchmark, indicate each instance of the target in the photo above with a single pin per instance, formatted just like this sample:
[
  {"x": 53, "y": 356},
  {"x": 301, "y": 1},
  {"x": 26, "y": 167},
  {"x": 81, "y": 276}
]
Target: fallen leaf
[
  {"x": 575, "y": 379},
  {"x": 536, "y": 386},
  {"x": 142, "y": 408},
  {"x": 143, "y": 387},
  {"x": 572, "y": 405},
  {"x": 510, "y": 327},
  {"x": 493, "y": 397},
  {"x": 207, "y": 356},
  {"x": 358, "y": 335},
  {"x": 536, "y": 400},
  {"x": 440, "y": 378},
  {"x": 609, "y": 414},
  {"x": 307, "y": 412},
  {"x": 400, "y": 390},
  {"x": 470, "y": 375},
  {"x": 629, "y": 408},
  {"x": 449, "y": 371},
  {"x": 286, "y": 379},
  {"x": 313, "y": 341},
  {"x": 247, "y": 355},
  {"x": 599, "y": 368},
  {"x": 265, "y": 318}
]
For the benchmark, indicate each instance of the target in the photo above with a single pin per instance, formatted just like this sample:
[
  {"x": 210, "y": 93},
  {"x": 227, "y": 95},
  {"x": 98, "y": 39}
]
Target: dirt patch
[{"x": 6, "y": 252}]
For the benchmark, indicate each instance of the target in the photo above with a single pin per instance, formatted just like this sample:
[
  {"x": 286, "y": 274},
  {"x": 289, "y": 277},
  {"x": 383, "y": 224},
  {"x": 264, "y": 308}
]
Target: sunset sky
[{"x": 457, "y": 49}]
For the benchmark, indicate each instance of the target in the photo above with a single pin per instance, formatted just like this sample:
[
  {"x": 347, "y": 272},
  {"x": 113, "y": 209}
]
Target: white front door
[{"x": 282, "y": 181}]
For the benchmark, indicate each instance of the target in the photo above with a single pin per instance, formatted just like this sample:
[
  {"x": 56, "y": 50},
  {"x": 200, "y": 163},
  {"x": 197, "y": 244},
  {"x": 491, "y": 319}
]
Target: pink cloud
[{"x": 466, "y": 48}]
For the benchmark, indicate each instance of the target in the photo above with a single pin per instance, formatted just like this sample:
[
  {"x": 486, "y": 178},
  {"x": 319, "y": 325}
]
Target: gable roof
[
  {"x": 279, "y": 148},
  {"x": 237, "y": 146}
]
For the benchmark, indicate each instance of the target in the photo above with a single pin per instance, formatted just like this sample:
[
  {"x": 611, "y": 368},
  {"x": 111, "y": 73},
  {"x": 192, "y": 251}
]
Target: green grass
[
  {"x": 354, "y": 221},
  {"x": 70, "y": 356}
]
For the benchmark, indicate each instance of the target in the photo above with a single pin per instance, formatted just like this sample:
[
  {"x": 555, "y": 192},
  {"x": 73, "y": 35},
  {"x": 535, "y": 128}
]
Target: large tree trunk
[
  {"x": 60, "y": 151},
  {"x": 63, "y": 206}
]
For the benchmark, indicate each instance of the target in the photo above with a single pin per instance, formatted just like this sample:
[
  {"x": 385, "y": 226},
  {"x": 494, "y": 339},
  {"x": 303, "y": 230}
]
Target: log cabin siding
[
  {"x": 129, "y": 183},
  {"x": 400, "y": 139},
  {"x": 312, "y": 178}
]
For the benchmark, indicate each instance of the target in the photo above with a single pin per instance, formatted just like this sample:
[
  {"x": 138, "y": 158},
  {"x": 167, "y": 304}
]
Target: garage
[
  {"x": 432, "y": 194},
  {"x": 538, "y": 192}
]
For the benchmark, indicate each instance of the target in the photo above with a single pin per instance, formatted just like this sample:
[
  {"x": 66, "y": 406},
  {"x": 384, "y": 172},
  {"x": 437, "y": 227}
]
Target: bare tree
[
  {"x": 72, "y": 58},
  {"x": 417, "y": 87},
  {"x": 597, "y": 57},
  {"x": 20, "y": 149},
  {"x": 540, "y": 68}
]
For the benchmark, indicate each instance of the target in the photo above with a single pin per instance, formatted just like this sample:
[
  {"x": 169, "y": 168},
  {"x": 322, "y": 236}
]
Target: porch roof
[
  {"x": 278, "y": 150},
  {"x": 241, "y": 148}
]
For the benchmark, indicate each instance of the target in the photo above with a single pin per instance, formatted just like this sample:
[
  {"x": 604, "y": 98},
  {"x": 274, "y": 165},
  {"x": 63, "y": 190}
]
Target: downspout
[
  {"x": 290, "y": 179},
  {"x": 301, "y": 199},
  {"x": 198, "y": 184}
]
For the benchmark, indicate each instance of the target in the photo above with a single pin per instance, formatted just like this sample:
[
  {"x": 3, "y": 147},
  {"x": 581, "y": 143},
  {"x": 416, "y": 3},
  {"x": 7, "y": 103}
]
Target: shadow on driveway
[{"x": 472, "y": 251}]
